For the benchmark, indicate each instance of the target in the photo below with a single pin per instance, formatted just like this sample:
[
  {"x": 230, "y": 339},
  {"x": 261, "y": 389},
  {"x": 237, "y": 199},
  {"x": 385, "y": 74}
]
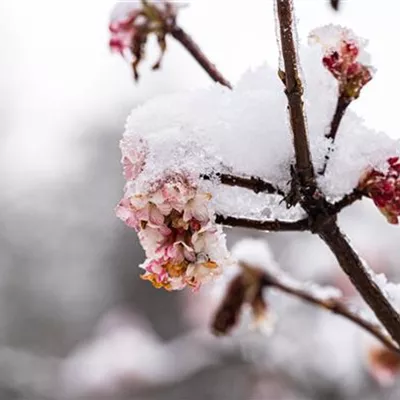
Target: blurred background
[{"x": 75, "y": 319}]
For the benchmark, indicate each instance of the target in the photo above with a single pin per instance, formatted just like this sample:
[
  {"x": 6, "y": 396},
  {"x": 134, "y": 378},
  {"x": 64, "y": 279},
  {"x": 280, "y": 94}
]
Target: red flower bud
[
  {"x": 343, "y": 65},
  {"x": 384, "y": 189}
]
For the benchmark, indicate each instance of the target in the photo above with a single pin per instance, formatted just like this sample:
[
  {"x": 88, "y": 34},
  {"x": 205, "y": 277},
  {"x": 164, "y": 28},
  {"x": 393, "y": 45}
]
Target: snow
[
  {"x": 390, "y": 289},
  {"x": 246, "y": 132}
]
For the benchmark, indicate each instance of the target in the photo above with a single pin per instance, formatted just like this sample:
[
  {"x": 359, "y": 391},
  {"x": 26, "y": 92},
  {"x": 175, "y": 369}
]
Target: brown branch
[
  {"x": 182, "y": 37},
  {"x": 334, "y": 305},
  {"x": 341, "y": 107},
  {"x": 272, "y": 225},
  {"x": 294, "y": 92},
  {"x": 335, "y": 4},
  {"x": 257, "y": 185},
  {"x": 361, "y": 279},
  {"x": 347, "y": 200}
]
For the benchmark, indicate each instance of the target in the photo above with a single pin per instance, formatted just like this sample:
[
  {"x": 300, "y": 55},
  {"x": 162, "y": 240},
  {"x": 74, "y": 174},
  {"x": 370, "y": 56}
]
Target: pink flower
[
  {"x": 384, "y": 189},
  {"x": 125, "y": 212},
  {"x": 132, "y": 23},
  {"x": 174, "y": 223}
]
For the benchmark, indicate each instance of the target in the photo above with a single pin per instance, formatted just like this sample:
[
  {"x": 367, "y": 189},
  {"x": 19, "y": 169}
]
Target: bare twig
[
  {"x": 182, "y": 37},
  {"x": 341, "y": 107},
  {"x": 332, "y": 304},
  {"x": 294, "y": 92},
  {"x": 272, "y": 225},
  {"x": 347, "y": 200},
  {"x": 362, "y": 279},
  {"x": 257, "y": 185}
]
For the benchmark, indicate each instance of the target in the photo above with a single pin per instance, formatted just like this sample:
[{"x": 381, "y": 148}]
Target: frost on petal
[{"x": 134, "y": 152}]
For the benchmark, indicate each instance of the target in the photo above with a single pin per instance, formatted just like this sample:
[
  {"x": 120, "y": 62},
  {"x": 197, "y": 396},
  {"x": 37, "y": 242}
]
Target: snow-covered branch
[
  {"x": 347, "y": 200},
  {"x": 341, "y": 106},
  {"x": 353, "y": 266},
  {"x": 333, "y": 304},
  {"x": 176, "y": 196},
  {"x": 257, "y": 185},
  {"x": 294, "y": 92}
]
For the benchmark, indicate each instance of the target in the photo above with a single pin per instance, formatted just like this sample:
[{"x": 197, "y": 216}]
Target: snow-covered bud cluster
[
  {"x": 384, "y": 189},
  {"x": 342, "y": 59},
  {"x": 132, "y": 22},
  {"x": 175, "y": 225}
]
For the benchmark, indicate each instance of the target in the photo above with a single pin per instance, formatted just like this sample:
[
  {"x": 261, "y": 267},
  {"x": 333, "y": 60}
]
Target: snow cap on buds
[
  {"x": 384, "y": 189},
  {"x": 132, "y": 22},
  {"x": 343, "y": 54},
  {"x": 176, "y": 228}
]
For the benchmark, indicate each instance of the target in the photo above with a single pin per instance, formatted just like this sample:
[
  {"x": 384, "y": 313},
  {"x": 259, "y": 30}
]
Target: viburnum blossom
[
  {"x": 132, "y": 22},
  {"x": 341, "y": 58},
  {"x": 175, "y": 226},
  {"x": 384, "y": 189}
]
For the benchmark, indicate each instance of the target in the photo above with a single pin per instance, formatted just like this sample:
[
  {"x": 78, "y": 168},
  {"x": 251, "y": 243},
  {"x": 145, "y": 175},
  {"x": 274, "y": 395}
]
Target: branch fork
[{"x": 321, "y": 214}]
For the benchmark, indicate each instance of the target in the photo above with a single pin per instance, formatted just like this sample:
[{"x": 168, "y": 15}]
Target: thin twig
[
  {"x": 362, "y": 279},
  {"x": 334, "y": 305},
  {"x": 257, "y": 185},
  {"x": 182, "y": 37},
  {"x": 271, "y": 225},
  {"x": 294, "y": 92},
  {"x": 341, "y": 107},
  {"x": 347, "y": 200}
]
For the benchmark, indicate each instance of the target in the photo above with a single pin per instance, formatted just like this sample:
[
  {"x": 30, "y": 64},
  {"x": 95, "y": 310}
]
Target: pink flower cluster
[
  {"x": 384, "y": 189},
  {"x": 175, "y": 226},
  {"x": 131, "y": 23},
  {"x": 343, "y": 65}
]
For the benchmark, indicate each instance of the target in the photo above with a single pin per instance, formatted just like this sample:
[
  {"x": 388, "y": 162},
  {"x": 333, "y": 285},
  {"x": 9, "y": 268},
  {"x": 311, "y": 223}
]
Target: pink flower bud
[{"x": 132, "y": 23}]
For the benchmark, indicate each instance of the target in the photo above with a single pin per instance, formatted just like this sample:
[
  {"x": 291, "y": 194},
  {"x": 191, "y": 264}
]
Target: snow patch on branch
[{"x": 246, "y": 132}]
